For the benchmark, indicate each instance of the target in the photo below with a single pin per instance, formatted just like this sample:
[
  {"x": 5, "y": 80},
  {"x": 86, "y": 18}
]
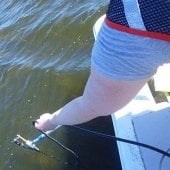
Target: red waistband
[{"x": 149, "y": 34}]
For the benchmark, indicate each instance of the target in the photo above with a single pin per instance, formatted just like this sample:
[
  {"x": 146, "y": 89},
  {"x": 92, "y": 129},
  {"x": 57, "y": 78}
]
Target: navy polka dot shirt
[{"x": 155, "y": 14}]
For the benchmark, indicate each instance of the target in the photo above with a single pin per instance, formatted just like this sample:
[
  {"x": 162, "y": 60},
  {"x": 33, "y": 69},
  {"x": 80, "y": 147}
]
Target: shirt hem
[{"x": 143, "y": 33}]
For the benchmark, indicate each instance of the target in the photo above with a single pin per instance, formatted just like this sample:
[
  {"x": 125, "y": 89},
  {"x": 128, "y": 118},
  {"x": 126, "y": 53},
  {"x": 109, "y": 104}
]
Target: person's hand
[{"x": 44, "y": 122}]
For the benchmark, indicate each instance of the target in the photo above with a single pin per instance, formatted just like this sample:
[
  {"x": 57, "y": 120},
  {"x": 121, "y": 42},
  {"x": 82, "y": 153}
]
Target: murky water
[{"x": 45, "y": 51}]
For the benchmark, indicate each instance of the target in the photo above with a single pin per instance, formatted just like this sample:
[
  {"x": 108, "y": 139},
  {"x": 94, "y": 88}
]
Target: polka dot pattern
[
  {"x": 116, "y": 13},
  {"x": 155, "y": 14}
]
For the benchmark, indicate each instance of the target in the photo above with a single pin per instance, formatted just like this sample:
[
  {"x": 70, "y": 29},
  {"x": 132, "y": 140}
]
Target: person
[{"x": 134, "y": 40}]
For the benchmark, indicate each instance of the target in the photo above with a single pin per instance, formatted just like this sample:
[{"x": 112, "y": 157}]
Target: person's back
[{"x": 147, "y": 15}]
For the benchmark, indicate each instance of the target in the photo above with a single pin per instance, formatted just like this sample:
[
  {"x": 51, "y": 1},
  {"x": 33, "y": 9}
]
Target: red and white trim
[{"x": 144, "y": 33}]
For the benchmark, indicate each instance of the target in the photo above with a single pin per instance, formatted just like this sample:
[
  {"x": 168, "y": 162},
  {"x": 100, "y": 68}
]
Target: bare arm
[{"x": 102, "y": 96}]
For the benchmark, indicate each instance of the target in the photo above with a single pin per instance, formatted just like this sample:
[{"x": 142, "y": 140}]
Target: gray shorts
[{"x": 125, "y": 56}]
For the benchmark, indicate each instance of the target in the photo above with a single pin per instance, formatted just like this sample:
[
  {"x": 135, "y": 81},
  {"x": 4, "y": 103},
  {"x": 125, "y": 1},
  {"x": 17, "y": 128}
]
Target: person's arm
[{"x": 102, "y": 96}]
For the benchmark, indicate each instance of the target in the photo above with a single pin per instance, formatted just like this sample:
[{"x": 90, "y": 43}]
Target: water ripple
[
  {"x": 35, "y": 32},
  {"x": 45, "y": 48}
]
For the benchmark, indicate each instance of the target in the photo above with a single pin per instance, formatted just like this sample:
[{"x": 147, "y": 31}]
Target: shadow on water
[
  {"x": 45, "y": 49},
  {"x": 45, "y": 92},
  {"x": 41, "y": 92}
]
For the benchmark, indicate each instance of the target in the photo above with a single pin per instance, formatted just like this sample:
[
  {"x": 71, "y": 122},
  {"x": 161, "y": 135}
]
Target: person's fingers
[
  {"x": 34, "y": 122},
  {"x": 37, "y": 124},
  {"x": 43, "y": 123}
]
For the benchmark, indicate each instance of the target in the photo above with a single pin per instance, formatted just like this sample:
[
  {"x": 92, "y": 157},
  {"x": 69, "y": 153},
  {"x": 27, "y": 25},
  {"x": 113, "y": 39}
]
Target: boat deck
[{"x": 147, "y": 123}]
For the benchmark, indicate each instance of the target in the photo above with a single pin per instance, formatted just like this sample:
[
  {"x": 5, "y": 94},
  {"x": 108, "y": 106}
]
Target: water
[{"x": 45, "y": 49}]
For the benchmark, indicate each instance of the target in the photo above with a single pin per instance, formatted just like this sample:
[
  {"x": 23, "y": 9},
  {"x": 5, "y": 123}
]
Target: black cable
[
  {"x": 122, "y": 140},
  {"x": 99, "y": 134},
  {"x": 51, "y": 156},
  {"x": 61, "y": 145},
  {"x": 56, "y": 141},
  {"x": 21, "y": 144},
  {"x": 161, "y": 160}
]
